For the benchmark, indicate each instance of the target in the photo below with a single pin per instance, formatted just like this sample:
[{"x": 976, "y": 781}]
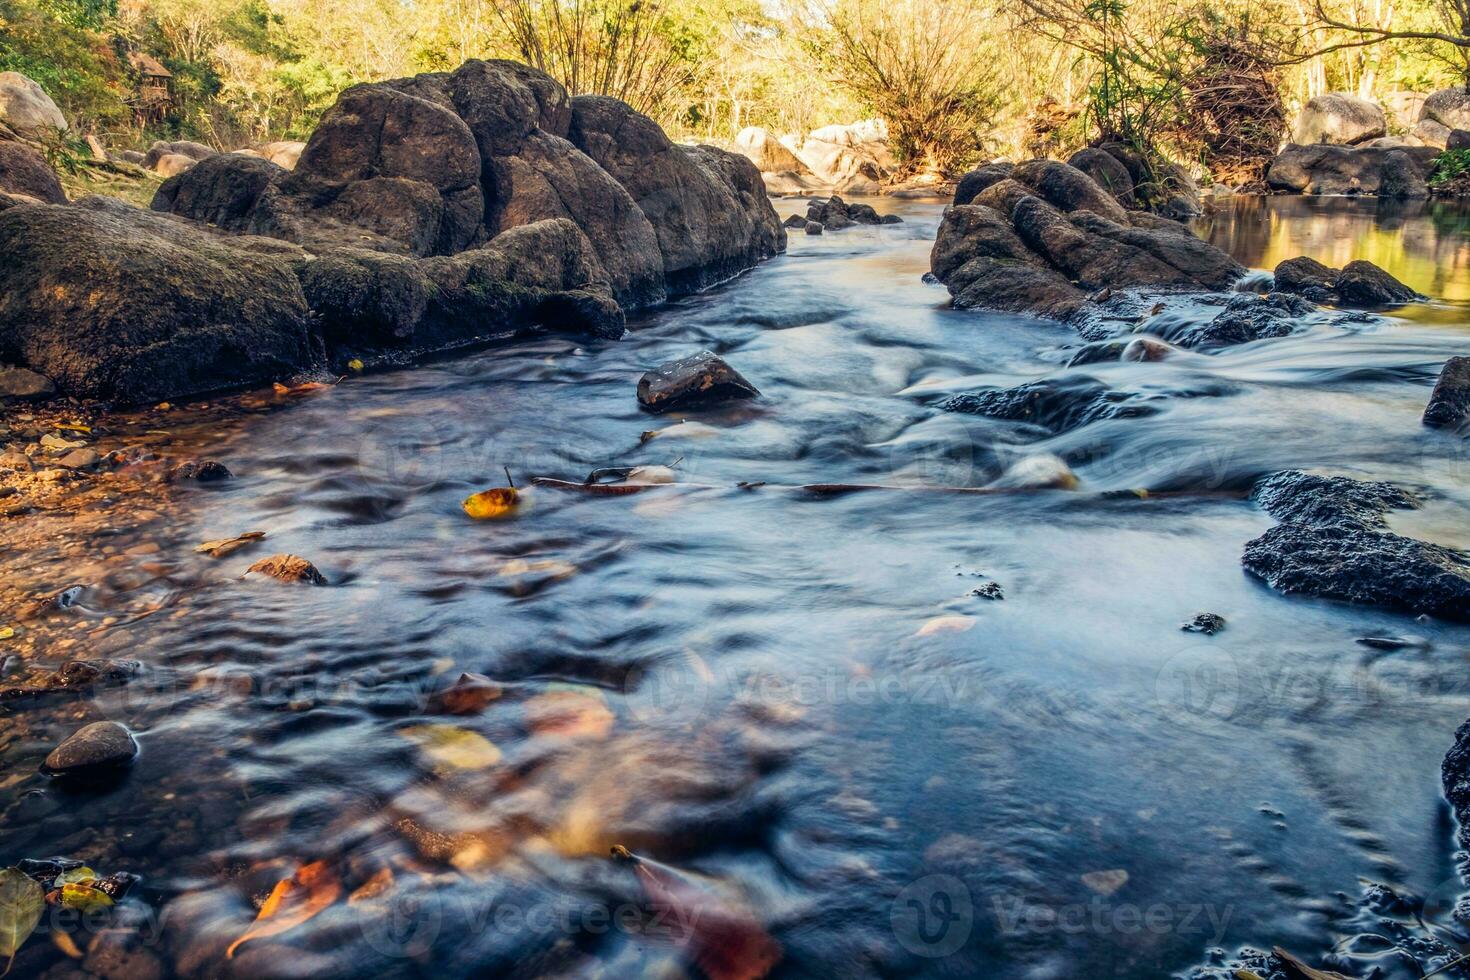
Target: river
[{"x": 796, "y": 701}]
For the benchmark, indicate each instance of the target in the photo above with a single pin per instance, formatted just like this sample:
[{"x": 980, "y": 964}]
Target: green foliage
[{"x": 1449, "y": 167}]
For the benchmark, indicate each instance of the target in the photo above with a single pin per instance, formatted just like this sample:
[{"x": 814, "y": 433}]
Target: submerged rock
[
  {"x": 1246, "y": 317},
  {"x": 1357, "y": 284},
  {"x": 1207, "y": 623},
  {"x": 834, "y": 214},
  {"x": 1056, "y": 404},
  {"x": 98, "y": 746},
  {"x": 696, "y": 381},
  {"x": 1449, "y": 403},
  {"x": 1334, "y": 543}
]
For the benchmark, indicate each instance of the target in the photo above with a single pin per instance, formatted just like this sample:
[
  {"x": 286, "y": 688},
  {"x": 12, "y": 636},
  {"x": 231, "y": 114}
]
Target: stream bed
[{"x": 796, "y": 703}]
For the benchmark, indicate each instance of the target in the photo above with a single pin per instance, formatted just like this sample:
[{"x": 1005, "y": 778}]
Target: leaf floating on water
[
  {"x": 293, "y": 901},
  {"x": 83, "y": 875},
  {"x": 468, "y": 695},
  {"x": 570, "y": 711},
  {"x": 1105, "y": 883},
  {"x": 375, "y": 886},
  {"x": 7, "y": 632},
  {"x": 355, "y": 364},
  {"x": 946, "y": 624},
  {"x": 227, "y": 546},
  {"x": 289, "y": 568},
  {"x": 453, "y": 747},
  {"x": 491, "y": 504},
  {"x": 22, "y": 901}
]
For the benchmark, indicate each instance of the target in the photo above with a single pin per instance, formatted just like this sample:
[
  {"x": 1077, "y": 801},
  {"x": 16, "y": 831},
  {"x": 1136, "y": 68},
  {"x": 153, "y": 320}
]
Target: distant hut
[{"x": 154, "y": 96}]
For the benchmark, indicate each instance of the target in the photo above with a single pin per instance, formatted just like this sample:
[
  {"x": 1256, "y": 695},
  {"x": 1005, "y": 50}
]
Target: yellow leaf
[
  {"x": 494, "y": 503},
  {"x": 355, "y": 364},
  {"x": 294, "y": 900},
  {"x": 456, "y": 748},
  {"x": 84, "y": 898},
  {"x": 83, "y": 875},
  {"x": 946, "y": 624},
  {"x": 6, "y": 632}
]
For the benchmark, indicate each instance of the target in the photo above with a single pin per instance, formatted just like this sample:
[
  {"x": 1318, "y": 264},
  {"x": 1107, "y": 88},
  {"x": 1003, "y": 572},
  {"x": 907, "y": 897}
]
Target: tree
[
  {"x": 924, "y": 66},
  {"x": 1446, "y": 38}
]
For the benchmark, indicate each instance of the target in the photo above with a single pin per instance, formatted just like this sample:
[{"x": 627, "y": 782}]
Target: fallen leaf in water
[
  {"x": 66, "y": 944},
  {"x": 456, "y": 748},
  {"x": 22, "y": 901},
  {"x": 1105, "y": 882},
  {"x": 293, "y": 901},
  {"x": 946, "y": 624},
  {"x": 6, "y": 632},
  {"x": 468, "y": 695},
  {"x": 73, "y": 427},
  {"x": 570, "y": 711},
  {"x": 547, "y": 567},
  {"x": 377, "y": 885},
  {"x": 355, "y": 364},
  {"x": 680, "y": 430},
  {"x": 1299, "y": 970},
  {"x": 489, "y": 504},
  {"x": 83, "y": 897},
  {"x": 650, "y": 474},
  {"x": 226, "y": 546},
  {"x": 288, "y": 568},
  {"x": 83, "y": 875},
  {"x": 301, "y": 389}
]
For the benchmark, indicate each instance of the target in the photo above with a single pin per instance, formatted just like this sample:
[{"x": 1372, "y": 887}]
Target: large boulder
[
  {"x": 26, "y": 108},
  {"x": 1369, "y": 170},
  {"x": 708, "y": 208},
  {"x": 124, "y": 305},
  {"x": 1340, "y": 119},
  {"x": 25, "y": 172},
  {"x": 1107, "y": 171},
  {"x": 223, "y": 190},
  {"x": 843, "y": 155},
  {"x": 767, "y": 153},
  {"x": 972, "y": 184},
  {"x": 1449, "y": 107},
  {"x": 1035, "y": 241},
  {"x": 1449, "y": 403},
  {"x": 284, "y": 153}
]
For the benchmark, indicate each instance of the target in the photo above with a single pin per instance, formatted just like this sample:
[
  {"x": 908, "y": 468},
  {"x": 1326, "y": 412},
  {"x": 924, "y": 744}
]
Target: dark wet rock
[
  {"x": 1003, "y": 196},
  {"x": 1207, "y": 623},
  {"x": 696, "y": 381},
  {"x": 1246, "y": 317},
  {"x": 20, "y": 384},
  {"x": 200, "y": 471},
  {"x": 1107, "y": 171},
  {"x": 1369, "y": 170},
  {"x": 223, "y": 190},
  {"x": 794, "y": 221},
  {"x": 75, "y": 676},
  {"x": 1014, "y": 286},
  {"x": 812, "y": 228},
  {"x": 1333, "y": 542},
  {"x": 972, "y": 231},
  {"x": 990, "y": 590},
  {"x": 25, "y": 172},
  {"x": 1358, "y": 284},
  {"x": 1098, "y": 352},
  {"x": 120, "y": 304},
  {"x": 288, "y": 568},
  {"x": 972, "y": 183},
  {"x": 100, "y": 745},
  {"x": 1449, "y": 403},
  {"x": 1455, "y": 777},
  {"x": 835, "y": 214},
  {"x": 1056, "y": 404},
  {"x": 1068, "y": 189}
]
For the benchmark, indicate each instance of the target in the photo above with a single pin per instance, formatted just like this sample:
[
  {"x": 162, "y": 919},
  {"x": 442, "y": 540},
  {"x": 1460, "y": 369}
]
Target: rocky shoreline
[{"x": 424, "y": 214}]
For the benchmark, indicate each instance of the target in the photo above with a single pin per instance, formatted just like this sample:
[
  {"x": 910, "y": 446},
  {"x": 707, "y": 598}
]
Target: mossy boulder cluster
[{"x": 424, "y": 213}]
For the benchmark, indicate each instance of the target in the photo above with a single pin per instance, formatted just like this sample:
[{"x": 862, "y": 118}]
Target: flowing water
[{"x": 795, "y": 701}]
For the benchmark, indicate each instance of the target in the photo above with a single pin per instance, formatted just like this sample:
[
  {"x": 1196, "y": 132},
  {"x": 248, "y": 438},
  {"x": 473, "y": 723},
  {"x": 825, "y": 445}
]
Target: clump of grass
[{"x": 1451, "y": 174}]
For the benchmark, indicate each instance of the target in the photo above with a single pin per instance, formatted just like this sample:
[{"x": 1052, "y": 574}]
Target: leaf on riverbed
[
  {"x": 946, "y": 624},
  {"x": 1298, "y": 969},
  {"x": 453, "y": 747},
  {"x": 83, "y": 875},
  {"x": 83, "y": 897},
  {"x": 227, "y": 546},
  {"x": 293, "y": 901},
  {"x": 468, "y": 695},
  {"x": 543, "y": 567},
  {"x": 375, "y": 886},
  {"x": 289, "y": 568},
  {"x": 7, "y": 632},
  {"x": 491, "y": 504},
  {"x": 570, "y": 711},
  {"x": 22, "y": 901}
]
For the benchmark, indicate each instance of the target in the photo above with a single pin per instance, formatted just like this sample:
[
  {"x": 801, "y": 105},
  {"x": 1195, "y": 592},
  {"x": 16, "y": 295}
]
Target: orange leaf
[
  {"x": 496, "y": 502},
  {"x": 569, "y": 711},
  {"x": 293, "y": 901}
]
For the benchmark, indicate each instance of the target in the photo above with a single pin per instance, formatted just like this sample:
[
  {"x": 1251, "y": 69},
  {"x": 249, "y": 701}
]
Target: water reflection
[{"x": 1426, "y": 244}]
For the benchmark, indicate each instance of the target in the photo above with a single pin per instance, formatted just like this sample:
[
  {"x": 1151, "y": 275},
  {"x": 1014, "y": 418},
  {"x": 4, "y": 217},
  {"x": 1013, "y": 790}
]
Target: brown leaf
[
  {"x": 468, "y": 695},
  {"x": 1299, "y": 970},
  {"x": 228, "y": 546},
  {"x": 293, "y": 901}
]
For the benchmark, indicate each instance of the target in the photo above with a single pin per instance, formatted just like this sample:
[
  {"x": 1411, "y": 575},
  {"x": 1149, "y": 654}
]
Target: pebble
[
  {"x": 1207, "y": 623},
  {"x": 79, "y": 459},
  {"x": 100, "y": 745}
]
